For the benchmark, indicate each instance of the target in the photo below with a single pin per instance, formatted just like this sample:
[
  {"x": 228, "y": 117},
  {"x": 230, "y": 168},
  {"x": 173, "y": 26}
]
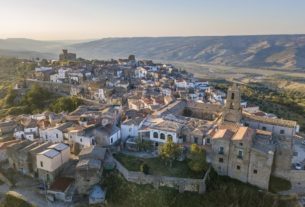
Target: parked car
[{"x": 298, "y": 166}]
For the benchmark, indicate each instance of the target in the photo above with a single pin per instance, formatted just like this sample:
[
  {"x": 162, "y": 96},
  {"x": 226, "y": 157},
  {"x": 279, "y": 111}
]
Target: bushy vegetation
[
  {"x": 144, "y": 168},
  {"x": 170, "y": 151},
  {"x": 222, "y": 191},
  {"x": 13, "y": 68},
  {"x": 13, "y": 199},
  {"x": 197, "y": 161},
  {"x": 36, "y": 100},
  {"x": 66, "y": 104}
]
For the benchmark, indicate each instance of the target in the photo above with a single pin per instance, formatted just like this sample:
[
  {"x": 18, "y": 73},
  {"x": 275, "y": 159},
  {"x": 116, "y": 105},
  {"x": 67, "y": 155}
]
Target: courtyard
[{"x": 157, "y": 166}]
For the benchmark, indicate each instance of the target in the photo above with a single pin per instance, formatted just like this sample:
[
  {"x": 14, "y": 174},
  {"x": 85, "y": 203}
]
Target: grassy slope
[
  {"x": 278, "y": 184},
  {"x": 13, "y": 199},
  {"x": 222, "y": 192}
]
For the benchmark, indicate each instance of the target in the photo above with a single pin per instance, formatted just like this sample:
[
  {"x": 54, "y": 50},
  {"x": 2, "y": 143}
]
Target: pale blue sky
[{"x": 91, "y": 19}]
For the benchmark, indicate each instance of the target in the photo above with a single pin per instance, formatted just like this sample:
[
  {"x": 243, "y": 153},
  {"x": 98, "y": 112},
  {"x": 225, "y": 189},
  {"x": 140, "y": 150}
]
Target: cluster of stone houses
[
  {"x": 114, "y": 81},
  {"x": 141, "y": 100}
]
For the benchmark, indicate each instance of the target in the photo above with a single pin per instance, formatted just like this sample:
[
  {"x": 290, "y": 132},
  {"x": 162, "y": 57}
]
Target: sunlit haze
[{"x": 80, "y": 19}]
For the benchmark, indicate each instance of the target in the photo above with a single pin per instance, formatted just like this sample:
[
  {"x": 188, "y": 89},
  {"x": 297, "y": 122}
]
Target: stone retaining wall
[{"x": 182, "y": 184}]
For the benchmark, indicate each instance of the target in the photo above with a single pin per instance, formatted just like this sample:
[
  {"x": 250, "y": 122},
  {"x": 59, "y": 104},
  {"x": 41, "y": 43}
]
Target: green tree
[
  {"x": 10, "y": 97},
  {"x": 170, "y": 151},
  {"x": 66, "y": 104},
  {"x": 197, "y": 161},
  {"x": 36, "y": 98}
]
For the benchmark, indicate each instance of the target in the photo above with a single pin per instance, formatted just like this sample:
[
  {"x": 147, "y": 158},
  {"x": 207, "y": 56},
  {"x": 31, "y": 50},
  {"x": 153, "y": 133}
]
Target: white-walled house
[
  {"x": 130, "y": 127},
  {"x": 101, "y": 95},
  {"x": 51, "y": 160},
  {"x": 28, "y": 129},
  {"x": 55, "y": 78},
  {"x": 82, "y": 136},
  {"x": 107, "y": 135},
  {"x": 159, "y": 130},
  {"x": 181, "y": 83},
  {"x": 62, "y": 73},
  {"x": 140, "y": 72},
  {"x": 166, "y": 91},
  {"x": 54, "y": 134}
]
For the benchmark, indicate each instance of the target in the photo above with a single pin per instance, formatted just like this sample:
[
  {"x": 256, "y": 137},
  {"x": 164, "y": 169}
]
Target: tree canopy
[
  {"x": 66, "y": 104},
  {"x": 170, "y": 151},
  {"x": 197, "y": 157}
]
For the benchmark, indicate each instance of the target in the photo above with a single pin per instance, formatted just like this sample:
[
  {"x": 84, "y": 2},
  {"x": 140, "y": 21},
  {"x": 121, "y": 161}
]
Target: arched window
[
  {"x": 155, "y": 135},
  {"x": 170, "y": 137},
  {"x": 162, "y": 136}
]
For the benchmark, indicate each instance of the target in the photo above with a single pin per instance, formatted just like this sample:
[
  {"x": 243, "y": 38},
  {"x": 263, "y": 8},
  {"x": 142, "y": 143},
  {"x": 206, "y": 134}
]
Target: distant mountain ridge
[
  {"x": 275, "y": 51},
  {"x": 271, "y": 51}
]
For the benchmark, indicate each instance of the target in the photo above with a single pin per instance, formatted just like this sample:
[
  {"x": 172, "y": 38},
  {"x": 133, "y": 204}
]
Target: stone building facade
[{"x": 251, "y": 148}]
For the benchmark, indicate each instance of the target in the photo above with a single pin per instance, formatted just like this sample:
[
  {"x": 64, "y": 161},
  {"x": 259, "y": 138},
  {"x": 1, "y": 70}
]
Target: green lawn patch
[
  {"x": 277, "y": 184},
  {"x": 157, "y": 166}
]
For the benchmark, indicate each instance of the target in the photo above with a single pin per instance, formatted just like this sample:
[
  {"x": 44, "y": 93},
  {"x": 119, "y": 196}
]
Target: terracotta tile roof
[
  {"x": 277, "y": 122},
  {"x": 223, "y": 134},
  {"x": 244, "y": 133},
  {"x": 61, "y": 184}
]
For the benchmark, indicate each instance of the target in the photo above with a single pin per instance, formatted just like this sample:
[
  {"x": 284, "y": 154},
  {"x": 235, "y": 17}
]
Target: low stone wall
[
  {"x": 182, "y": 184},
  {"x": 50, "y": 86},
  {"x": 297, "y": 176},
  {"x": 5, "y": 180}
]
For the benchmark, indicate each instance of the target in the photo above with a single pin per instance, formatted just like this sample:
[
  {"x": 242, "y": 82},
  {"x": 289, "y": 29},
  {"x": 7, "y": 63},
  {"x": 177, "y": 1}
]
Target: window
[
  {"x": 130, "y": 129},
  {"x": 111, "y": 140},
  {"x": 170, "y": 137},
  {"x": 232, "y": 96},
  {"x": 238, "y": 167},
  {"x": 162, "y": 136},
  {"x": 156, "y": 135},
  {"x": 254, "y": 171},
  {"x": 282, "y": 131},
  {"x": 220, "y": 160},
  {"x": 41, "y": 164},
  {"x": 246, "y": 124},
  {"x": 240, "y": 144},
  {"x": 196, "y": 140},
  {"x": 240, "y": 154},
  {"x": 264, "y": 128},
  {"x": 57, "y": 136},
  {"x": 81, "y": 140},
  {"x": 208, "y": 141},
  {"x": 221, "y": 151}
]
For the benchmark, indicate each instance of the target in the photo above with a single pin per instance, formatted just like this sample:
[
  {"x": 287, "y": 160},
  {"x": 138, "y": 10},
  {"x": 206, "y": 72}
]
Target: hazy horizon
[
  {"x": 98, "y": 38},
  {"x": 95, "y": 19}
]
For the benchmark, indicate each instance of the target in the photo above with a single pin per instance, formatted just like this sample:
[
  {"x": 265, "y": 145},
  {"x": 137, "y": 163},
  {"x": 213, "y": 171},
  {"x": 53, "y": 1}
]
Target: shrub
[{"x": 144, "y": 168}]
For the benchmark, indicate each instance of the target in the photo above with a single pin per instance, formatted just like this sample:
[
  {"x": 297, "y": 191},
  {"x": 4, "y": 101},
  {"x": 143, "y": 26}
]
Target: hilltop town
[{"x": 137, "y": 109}]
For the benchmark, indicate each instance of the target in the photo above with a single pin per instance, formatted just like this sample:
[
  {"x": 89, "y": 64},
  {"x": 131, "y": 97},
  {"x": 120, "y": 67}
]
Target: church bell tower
[{"x": 232, "y": 110}]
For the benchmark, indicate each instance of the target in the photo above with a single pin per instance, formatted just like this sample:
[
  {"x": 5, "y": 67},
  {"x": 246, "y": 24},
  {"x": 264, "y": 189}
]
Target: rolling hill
[
  {"x": 265, "y": 51},
  {"x": 272, "y": 51}
]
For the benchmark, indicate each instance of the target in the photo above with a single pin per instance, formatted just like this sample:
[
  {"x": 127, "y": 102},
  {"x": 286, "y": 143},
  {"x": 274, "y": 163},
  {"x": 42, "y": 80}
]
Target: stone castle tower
[{"x": 232, "y": 110}]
